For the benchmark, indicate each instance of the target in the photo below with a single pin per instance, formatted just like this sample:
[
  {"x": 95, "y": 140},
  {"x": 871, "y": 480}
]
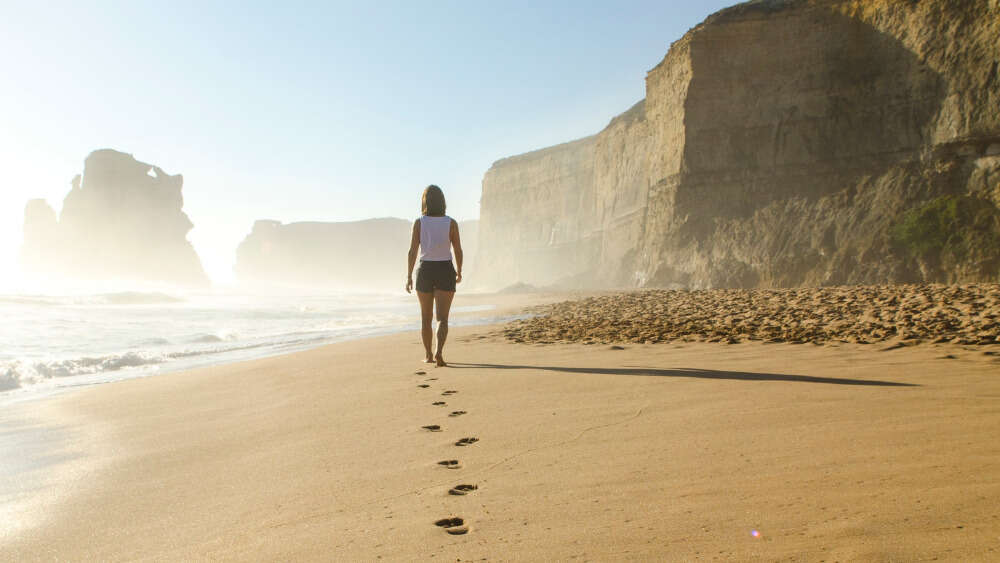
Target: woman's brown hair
[{"x": 432, "y": 203}]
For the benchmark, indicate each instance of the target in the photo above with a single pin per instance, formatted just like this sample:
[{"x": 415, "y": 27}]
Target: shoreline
[
  {"x": 31, "y": 476},
  {"x": 657, "y": 450},
  {"x": 474, "y": 309}
]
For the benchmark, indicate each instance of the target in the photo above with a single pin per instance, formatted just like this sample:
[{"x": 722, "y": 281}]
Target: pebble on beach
[{"x": 967, "y": 314}]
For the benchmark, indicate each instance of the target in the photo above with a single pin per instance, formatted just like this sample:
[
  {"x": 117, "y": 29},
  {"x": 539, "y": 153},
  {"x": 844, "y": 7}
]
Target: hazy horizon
[{"x": 302, "y": 112}]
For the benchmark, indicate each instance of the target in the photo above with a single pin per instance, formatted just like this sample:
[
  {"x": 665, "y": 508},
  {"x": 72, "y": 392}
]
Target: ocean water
[{"x": 50, "y": 343}]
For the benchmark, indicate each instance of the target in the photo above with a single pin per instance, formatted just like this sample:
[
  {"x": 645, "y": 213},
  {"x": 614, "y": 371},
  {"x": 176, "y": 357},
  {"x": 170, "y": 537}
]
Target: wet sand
[{"x": 673, "y": 451}]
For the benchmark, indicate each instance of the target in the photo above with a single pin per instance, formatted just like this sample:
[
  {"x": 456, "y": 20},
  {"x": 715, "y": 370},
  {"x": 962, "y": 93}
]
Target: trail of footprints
[{"x": 453, "y": 525}]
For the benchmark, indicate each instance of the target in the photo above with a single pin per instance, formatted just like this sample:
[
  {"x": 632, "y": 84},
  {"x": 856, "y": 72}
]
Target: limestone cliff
[
  {"x": 354, "y": 255},
  {"x": 781, "y": 143},
  {"x": 121, "y": 220}
]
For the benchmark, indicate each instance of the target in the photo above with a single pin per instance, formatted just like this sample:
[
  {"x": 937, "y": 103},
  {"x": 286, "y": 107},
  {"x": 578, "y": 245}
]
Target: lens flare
[{"x": 755, "y": 533}]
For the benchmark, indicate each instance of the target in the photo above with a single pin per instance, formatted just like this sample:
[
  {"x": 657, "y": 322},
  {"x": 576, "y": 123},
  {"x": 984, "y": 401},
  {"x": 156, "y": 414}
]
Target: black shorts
[{"x": 433, "y": 275}]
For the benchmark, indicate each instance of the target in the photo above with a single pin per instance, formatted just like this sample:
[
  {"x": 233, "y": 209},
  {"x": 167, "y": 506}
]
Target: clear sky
[{"x": 319, "y": 111}]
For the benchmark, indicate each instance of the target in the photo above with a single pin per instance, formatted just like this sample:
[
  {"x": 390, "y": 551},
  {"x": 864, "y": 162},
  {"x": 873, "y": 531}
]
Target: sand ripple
[{"x": 963, "y": 314}]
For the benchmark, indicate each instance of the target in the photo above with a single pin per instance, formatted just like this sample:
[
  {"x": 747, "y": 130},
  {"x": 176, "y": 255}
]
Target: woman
[{"x": 435, "y": 234}]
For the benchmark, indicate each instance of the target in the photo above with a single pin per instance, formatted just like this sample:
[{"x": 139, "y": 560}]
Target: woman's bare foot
[
  {"x": 428, "y": 360},
  {"x": 440, "y": 360}
]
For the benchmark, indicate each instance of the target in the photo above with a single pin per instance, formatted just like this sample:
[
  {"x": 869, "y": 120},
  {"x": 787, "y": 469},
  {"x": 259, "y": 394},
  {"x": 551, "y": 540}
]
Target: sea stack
[
  {"x": 122, "y": 220},
  {"x": 357, "y": 255},
  {"x": 353, "y": 255}
]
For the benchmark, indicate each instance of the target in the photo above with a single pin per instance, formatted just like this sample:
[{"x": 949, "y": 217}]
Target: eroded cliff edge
[
  {"x": 780, "y": 143},
  {"x": 122, "y": 220}
]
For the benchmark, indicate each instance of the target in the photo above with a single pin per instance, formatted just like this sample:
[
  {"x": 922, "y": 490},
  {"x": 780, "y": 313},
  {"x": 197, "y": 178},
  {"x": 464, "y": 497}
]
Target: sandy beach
[
  {"x": 720, "y": 281},
  {"x": 675, "y": 451}
]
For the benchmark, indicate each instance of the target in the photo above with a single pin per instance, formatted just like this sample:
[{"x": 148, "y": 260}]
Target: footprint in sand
[
  {"x": 439, "y": 403},
  {"x": 423, "y": 386},
  {"x": 457, "y": 413},
  {"x": 420, "y": 372},
  {"x": 462, "y": 489},
  {"x": 455, "y": 526},
  {"x": 466, "y": 441},
  {"x": 449, "y": 392},
  {"x": 431, "y": 379},
  {"x": 451, "y": 464},
  {"x": 432, "y": 427}
]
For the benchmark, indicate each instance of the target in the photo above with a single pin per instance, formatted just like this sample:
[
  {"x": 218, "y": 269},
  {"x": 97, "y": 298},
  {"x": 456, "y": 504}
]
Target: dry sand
[
  {"x": 909, "y": 314},
  {"x": 655, "y": 452}
]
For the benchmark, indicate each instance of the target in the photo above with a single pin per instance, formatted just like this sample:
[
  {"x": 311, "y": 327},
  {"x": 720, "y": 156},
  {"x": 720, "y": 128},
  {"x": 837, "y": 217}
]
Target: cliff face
[
  {"x": 356, "y": 255},
  {"x": 539, "y": 204},
  {"x": 122, "y": 220},
  {"x": 780, "y": 143}
]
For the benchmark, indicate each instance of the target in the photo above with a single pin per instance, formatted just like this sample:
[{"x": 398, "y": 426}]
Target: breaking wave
[
  {"x": 17, "y": 374},
  {"x": 53, "y": 342}
]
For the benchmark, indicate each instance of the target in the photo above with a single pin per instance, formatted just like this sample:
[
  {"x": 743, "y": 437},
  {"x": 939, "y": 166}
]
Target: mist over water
[{"x": 51, "y": 342}]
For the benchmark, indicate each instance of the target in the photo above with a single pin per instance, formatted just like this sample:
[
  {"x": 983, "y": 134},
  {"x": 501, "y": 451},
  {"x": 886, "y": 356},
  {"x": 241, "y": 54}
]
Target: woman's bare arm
[
  {"x": 411, "y": 258},
  {"x": 456, "y": 242}
]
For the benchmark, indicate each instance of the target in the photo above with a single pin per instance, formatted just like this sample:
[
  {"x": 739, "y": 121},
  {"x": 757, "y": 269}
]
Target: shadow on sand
[{"x": 697, "y": 373}]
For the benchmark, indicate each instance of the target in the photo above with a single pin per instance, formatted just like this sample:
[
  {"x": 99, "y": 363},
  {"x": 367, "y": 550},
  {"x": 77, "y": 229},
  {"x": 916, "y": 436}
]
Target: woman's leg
[
  {"x": 443, "y": 299},
  {"x": 426, "y": 317}
]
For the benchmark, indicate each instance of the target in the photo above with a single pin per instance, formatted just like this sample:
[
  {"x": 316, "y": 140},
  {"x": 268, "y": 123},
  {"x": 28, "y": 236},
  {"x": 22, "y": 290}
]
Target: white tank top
[{"x": 435, "y": 238}]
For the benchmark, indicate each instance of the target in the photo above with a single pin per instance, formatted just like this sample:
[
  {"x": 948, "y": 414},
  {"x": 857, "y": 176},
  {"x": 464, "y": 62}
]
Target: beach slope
[{"x": 678, "y": 451}]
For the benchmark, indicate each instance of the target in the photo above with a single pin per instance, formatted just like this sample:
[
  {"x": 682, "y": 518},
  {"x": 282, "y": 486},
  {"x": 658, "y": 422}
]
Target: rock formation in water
[
  {"x": 780, "y": 143},
  {"x": 122, "y": 220},
  {"x": 354, "y": 255}
]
